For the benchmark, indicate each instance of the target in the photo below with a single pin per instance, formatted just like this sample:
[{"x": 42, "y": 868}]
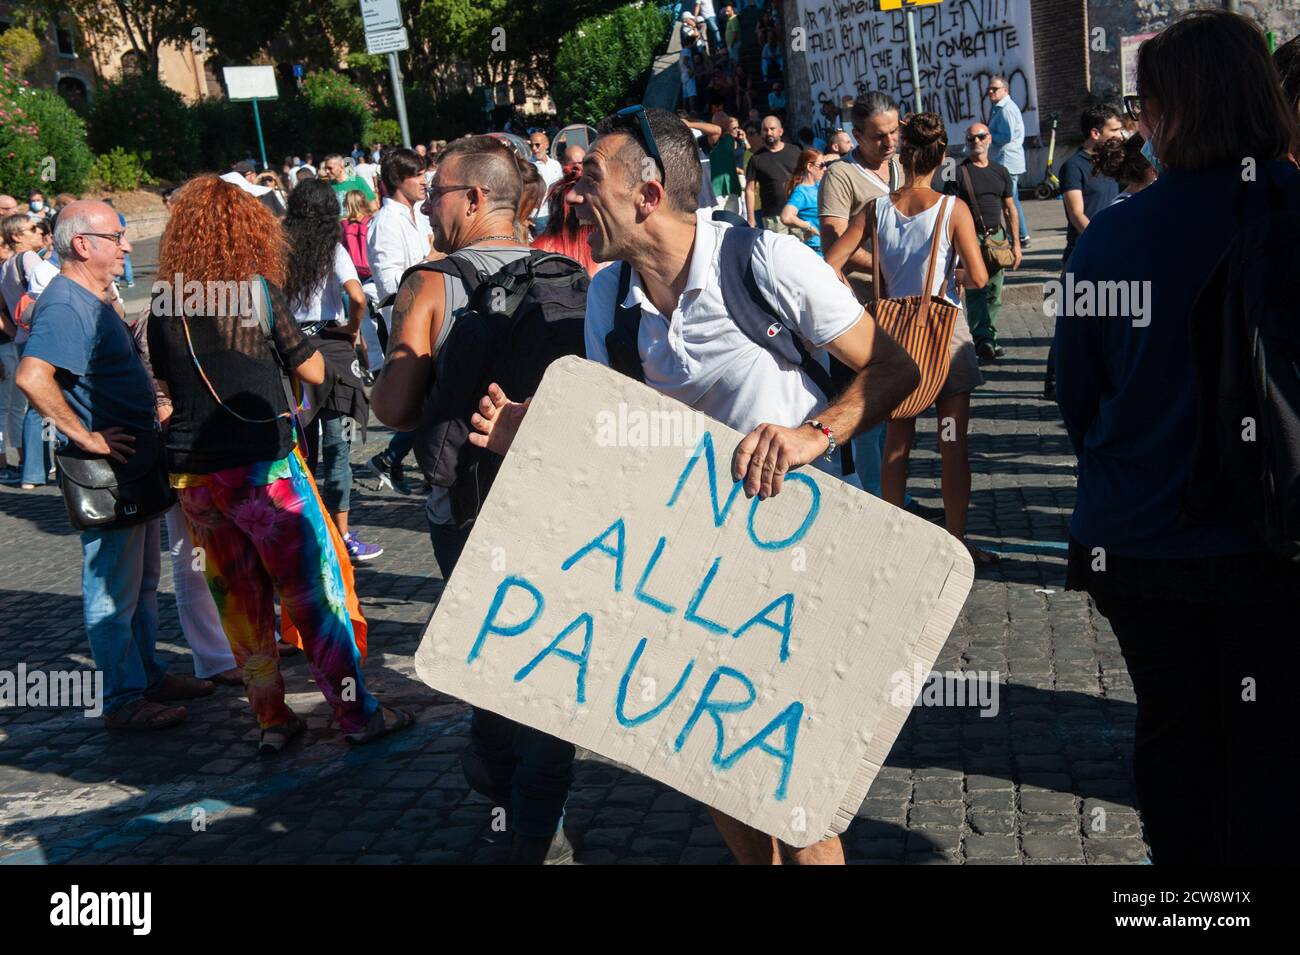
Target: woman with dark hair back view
[
  {"x": 325, "y": 294},
  {"x": 246, "y": 493},
  {"x": 906, "y": 221},
  {"x": 1204, "y": 616}
]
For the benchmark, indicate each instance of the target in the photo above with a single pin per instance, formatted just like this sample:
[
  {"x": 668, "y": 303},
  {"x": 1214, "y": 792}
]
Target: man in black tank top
[{"x": 472, "y": 207}]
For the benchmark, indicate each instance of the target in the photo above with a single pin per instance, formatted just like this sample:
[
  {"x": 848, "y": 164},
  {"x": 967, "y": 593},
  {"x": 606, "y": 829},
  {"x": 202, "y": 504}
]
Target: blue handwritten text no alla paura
[{"x": 573, "y": 642}]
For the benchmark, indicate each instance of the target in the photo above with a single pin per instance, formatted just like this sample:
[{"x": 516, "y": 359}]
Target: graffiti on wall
[{"x": 851, "y": 48}]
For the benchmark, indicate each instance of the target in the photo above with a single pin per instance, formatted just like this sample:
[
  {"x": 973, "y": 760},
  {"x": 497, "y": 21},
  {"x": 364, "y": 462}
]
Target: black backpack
[
  {"x": 1245, "y": 328},
  {"x": 748, "y": 307},
  {"x": 519, "y": 320}
]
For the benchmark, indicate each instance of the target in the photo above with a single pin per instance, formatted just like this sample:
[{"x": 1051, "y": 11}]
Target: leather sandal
[
  {"x": 172, "y": 688},
  {"x": 143, "y": 715}
]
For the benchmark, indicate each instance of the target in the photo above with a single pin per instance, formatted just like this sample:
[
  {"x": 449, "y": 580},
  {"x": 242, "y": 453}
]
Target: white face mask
[{"x": 36, "y": 205}]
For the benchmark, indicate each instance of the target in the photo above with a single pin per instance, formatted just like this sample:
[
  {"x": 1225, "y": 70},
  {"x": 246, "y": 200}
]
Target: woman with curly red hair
[{"x": 222, "y": 340}]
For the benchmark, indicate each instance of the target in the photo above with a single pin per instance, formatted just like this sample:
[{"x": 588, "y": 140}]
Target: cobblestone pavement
[{"x": 1045, "y": 780}]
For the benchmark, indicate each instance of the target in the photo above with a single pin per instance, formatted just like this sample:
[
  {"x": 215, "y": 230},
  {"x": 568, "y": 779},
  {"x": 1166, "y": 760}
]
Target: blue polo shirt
[
  {"x": 1127, "y": 393},
  {"x": 98, "y": 369}
]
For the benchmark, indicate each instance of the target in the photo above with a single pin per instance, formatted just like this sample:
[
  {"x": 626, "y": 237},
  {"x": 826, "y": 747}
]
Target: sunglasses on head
[{"x": 647, "y": 136}]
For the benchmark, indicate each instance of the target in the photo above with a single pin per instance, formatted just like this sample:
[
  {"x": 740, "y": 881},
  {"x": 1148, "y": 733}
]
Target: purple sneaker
[{"x": 359, "y": 550}]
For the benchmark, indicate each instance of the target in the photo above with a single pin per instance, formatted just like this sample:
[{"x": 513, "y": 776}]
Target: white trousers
[{"x": 200, "y": 621}]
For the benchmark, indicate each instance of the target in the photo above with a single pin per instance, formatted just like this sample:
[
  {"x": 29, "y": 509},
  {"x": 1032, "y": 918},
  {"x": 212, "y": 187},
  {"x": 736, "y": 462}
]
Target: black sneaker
[
  {"x": 1049, "y": 389},
  {"x": 1024, "y": 243},
  {"x": 986, "y": 351},
  {"x": 381, "y": 467}
]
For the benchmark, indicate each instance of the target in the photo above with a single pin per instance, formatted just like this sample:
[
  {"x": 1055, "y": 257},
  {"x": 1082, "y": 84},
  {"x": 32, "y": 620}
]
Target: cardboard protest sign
[{"x": 619, "y": 591}]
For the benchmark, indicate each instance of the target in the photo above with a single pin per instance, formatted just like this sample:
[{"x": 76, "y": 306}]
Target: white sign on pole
[
  {"x": 619, "y": 591},
  {"x": 852, "y": 48},
  {"x": 391, "y": 41},
  {"x": 250, "y": 82},
  {"x": 380, "y": 16}
]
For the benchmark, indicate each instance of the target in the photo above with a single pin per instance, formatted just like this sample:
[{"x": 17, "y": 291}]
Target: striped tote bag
[{"x": 921, "y": 324}]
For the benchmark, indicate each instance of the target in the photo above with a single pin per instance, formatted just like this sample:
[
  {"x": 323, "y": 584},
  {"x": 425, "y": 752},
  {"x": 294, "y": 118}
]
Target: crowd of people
[{"x": 360, "y": 270}]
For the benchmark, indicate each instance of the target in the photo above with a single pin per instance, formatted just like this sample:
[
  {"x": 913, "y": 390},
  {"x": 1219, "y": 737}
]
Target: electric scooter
[{"x": 1050, "y": 187}]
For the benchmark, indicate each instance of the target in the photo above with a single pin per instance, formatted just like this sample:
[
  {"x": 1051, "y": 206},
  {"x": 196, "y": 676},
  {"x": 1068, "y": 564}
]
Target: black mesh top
[{"x": 202, "y": 436}]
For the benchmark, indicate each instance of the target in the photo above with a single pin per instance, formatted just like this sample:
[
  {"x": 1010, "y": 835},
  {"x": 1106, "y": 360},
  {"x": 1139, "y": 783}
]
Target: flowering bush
[
  {"x": 21, "y": 154},
  {"x": 141, "y": 115},
  {"x": 600, "y": 60},
  {"x": 338, "y": 111},
  {"x": 42, "y": 141}
]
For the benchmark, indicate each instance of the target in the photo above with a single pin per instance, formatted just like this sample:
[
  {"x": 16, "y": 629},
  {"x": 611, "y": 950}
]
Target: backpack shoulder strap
[
  {"x": 622, "y": 341},
  {"x": 453, "y": 265},
  {"x": 737, "y": 257}
]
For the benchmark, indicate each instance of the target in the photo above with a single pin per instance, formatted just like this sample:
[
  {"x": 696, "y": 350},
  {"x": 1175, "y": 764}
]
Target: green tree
[
  {"x": 20, "y": 50},
  {"x": 145, "y": 25}
]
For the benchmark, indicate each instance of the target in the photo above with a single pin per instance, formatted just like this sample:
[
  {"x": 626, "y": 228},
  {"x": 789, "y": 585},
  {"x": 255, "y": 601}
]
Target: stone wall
[{"x": 1119, "y": 18}]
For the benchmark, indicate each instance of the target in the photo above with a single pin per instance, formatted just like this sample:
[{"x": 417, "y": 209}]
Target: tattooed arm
[{"x": 399, "y": 392}]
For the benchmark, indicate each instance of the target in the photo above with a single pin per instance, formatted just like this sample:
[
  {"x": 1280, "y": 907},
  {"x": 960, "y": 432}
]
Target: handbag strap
[
  {"x": 974, "y": 199},
  {"x": 260, "y": 315},
  {"x": 929, "y": 269},
  {"x": 875, "y": 252},
  {"x": 928, "y": 291}
]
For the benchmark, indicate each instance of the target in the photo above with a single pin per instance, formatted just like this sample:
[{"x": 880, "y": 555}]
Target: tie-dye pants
[{"x": 260, "y": 530}]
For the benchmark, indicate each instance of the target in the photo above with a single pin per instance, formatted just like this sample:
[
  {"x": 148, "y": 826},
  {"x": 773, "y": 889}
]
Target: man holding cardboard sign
[{"x": 678, "y": 314}]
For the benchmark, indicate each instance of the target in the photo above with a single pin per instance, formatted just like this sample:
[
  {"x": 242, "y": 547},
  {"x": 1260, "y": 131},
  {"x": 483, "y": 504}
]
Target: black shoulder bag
[{"x": 106, "y": 495}]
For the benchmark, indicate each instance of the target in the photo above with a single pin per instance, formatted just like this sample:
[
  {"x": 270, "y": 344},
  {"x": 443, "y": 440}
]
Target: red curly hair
[{"x": 219, "y": 233}]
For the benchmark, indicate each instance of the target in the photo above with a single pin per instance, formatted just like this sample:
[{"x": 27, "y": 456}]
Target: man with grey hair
[
  {"x": 1007, "y": 128},
  {"x": 8, "y": 205},
  {"x": 81, "y": 371}
]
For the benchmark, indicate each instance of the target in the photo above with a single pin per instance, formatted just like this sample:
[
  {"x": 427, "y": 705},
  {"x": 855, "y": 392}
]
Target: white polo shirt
[
  {"x": 396, "y": 239},
  {"x": 699, "y": 356}
]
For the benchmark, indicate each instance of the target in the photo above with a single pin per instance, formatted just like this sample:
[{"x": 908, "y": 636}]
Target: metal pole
[
  {"x": 911, "y": 52},
  {"x": 261, "y": 144},
  {"x": 399, "y": 98},
  {"x": 1233, "y": 6}
]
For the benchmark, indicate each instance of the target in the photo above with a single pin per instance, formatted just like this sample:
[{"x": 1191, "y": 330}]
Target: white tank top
[{"x": 905, "y": 250}]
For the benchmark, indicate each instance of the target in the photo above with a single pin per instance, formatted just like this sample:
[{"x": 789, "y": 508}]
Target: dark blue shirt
[
  {"x": 1127, "y": 392},
  {"x": 1098, "y": 192},
  {"x": 98, "y": 369}
]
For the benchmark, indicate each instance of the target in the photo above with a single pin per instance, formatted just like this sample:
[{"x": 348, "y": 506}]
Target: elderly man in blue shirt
[{"x": 1008, "y": 129}]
